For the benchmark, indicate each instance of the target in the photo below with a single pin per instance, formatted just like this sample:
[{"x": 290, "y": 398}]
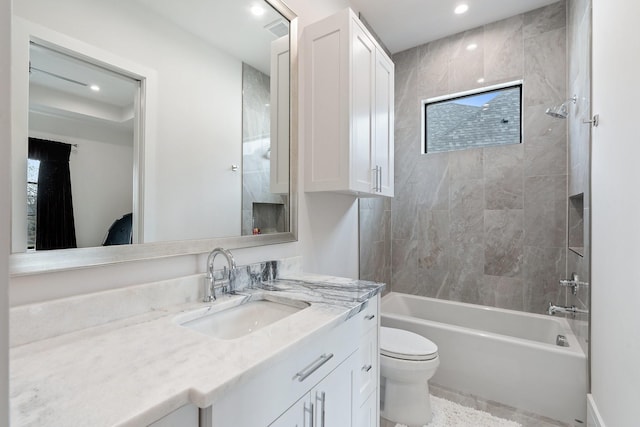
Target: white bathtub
[{"x": 506, "y": 356}]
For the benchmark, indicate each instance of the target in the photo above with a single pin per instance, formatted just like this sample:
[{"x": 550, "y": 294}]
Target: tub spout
[{"x": 553, "y": 309}]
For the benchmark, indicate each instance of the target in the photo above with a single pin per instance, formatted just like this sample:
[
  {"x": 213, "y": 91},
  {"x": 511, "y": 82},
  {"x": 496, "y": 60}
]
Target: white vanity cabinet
[
  {"x": 349, "y": 109},
  {"x": 366, "y": 374},
  {"x": 331, "y": 378},
  {"x": 327, "y": 404}
]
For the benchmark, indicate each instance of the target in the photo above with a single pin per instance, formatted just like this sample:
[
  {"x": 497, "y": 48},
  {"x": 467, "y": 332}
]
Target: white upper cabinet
[{"x": 348, "y": 109}]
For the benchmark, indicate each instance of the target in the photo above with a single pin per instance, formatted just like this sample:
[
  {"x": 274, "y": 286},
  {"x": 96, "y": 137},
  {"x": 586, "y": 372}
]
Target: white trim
[{"x": 594, "y": 419}]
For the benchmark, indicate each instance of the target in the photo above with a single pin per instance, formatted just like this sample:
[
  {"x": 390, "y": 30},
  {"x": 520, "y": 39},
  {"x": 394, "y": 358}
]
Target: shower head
[{"x": 561, "y": 111}]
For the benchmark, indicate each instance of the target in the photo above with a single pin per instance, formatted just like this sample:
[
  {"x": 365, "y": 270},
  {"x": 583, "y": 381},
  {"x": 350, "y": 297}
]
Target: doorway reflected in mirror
[{"x": 81, "y": 141}]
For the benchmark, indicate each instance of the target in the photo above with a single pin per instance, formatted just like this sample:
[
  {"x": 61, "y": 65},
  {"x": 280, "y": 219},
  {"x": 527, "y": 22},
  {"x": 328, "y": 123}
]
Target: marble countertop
[{"x": 133, "y": 371}]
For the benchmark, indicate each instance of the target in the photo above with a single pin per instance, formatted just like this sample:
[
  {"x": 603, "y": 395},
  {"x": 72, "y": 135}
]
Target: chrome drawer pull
[
  {"x": 322, "y": 403},
  {"x": 370, "y": 317},
  {"x": 314, "y": 366},
  {"x": 310, "y": 412},
  {"x": 367, "y": 368}
]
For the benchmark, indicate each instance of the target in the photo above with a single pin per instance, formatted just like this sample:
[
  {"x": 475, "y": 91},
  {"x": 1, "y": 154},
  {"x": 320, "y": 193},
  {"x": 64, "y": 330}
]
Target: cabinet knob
[
  {"x": 370, "y": 316},
  {"x": 367, "y": 368}
]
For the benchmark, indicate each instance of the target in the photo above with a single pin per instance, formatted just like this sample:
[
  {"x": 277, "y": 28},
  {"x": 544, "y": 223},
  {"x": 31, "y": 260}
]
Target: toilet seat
[{"x": 405, "y": 345}]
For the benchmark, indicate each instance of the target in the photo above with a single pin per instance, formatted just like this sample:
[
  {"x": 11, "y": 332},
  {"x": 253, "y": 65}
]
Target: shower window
[{"x": 480, "y": 118}]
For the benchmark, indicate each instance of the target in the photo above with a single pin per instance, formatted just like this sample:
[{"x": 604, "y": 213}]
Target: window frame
[{"x": 458, "y": 95}]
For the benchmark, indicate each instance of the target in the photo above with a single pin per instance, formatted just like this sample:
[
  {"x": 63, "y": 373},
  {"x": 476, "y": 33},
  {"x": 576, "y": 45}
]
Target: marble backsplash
[
  {"x": 40, "y": 321},
  {"x": 487, "y": 225}
]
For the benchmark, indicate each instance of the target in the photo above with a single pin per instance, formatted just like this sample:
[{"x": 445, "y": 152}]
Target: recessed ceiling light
[
  {"x": 462, "y": 8},
  {"x": 480, "y": 80},
  {"x": 257, "y": 10},
  {"x": 95, "y": 88},
  {"x": 472, "y": 46}
]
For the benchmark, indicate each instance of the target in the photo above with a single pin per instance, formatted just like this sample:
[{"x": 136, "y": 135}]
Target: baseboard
[{"x": 593, "y": 416}]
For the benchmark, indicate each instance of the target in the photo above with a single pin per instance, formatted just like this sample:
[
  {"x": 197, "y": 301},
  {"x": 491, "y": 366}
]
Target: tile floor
[{"x": 527, "y": 419}]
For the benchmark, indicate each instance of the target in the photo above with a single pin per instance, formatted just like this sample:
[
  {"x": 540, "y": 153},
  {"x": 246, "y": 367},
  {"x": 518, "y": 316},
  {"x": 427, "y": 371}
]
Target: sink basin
[{"x": 243, "y": 319}]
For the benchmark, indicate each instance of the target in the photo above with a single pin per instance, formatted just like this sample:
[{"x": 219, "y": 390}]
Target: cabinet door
[
  {"x": 332, "y": 397},
  {"x": 383, "y": 124},
  {"x": 279, "y": 157},
  {"x": 367, "y": 415},
  {"x": 362, "y": 79},
  {"x": 299, "y": 415}
]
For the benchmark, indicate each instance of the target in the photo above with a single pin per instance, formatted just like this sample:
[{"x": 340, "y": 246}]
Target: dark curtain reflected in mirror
[{"x": 54, "y": 225}]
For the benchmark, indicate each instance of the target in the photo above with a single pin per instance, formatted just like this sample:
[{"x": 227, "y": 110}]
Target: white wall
[
  {"x": 101, "y": 187},
  {"x": 615, "y": 344},
  {"x": 5, "y": 194}
]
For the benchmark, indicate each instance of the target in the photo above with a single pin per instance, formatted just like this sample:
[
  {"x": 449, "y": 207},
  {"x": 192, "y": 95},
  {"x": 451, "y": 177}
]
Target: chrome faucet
[
  {"x": 553, "y": 309},
  {"x": 227, "y": 282}
]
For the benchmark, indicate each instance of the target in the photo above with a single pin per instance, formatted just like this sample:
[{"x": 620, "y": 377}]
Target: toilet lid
[{"x": 406, "y": 345}]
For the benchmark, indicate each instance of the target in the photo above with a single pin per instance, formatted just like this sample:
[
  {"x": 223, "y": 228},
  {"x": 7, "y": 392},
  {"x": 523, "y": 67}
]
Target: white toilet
[{"x": 407, "y": 362}]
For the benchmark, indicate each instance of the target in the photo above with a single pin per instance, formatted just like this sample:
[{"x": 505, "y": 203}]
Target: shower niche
[
  {"x": 576, "y": 224},
  {"x": 269, "y": 218}
]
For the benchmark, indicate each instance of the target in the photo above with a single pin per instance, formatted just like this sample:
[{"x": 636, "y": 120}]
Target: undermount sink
[{"x": 239, "y": 320}]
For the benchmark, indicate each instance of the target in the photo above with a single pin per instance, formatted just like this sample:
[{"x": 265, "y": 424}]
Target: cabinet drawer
[
  {"x": 263, "y": 398},
  {"x": 367, "y": 367},
  {"x": 368, "y": 317}
]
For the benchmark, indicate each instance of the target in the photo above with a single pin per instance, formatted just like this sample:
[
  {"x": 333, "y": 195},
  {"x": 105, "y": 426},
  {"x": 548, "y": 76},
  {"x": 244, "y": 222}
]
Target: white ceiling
[
  {"x": 403, "y": 24},
  {"x": 228, "y": 25},
  {"x": 46, "y": 64},
  {"x": 60, "y": 98}
]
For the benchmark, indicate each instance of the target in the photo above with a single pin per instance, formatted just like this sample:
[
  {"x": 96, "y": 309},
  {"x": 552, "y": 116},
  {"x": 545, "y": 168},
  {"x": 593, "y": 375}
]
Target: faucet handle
[{"x": 574, "y": 283}]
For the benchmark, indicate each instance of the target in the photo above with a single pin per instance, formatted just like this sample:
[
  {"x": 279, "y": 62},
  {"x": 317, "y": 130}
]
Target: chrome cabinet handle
[
  {"x": 595, "y": 121},
  {"x": 367, "y": 368},
  {"x": 310, "y": 412},
  {"x": 314, "y": 366},
  {"x": 375, "y": 179},
  {"x": 380, "y": 179},
  {"x": 322, "y": 400},
  {"x": 370, "y": 317}
]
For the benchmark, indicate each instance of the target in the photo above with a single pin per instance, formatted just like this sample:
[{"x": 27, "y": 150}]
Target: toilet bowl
[{"x": 407, "y": 362}]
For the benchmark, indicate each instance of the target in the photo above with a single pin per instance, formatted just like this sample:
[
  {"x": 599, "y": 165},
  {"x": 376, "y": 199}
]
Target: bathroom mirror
[{"x": 213, "y": 122}]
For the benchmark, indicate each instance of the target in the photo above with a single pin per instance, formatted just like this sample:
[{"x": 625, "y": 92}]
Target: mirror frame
[{"x": 28, "y": 263}]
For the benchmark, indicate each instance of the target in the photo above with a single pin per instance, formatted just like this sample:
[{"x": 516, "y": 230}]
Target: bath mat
[{"x": 450, "y": 414}]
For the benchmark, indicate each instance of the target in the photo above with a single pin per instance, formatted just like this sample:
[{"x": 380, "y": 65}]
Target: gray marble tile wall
[
  {"x": 256, "y": 162},
  {"x": 486, "y": 225},
  {"x": 375, "y": 240},
  {"x": 579, "y": 80}
]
